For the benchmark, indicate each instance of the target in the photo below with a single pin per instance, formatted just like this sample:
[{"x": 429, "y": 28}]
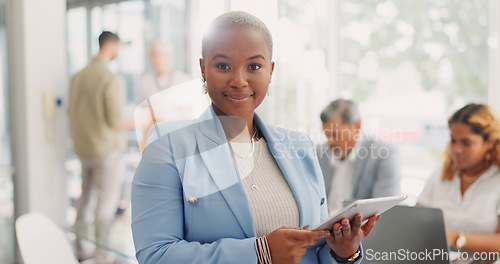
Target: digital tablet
[{"x": 367, "y": 207}]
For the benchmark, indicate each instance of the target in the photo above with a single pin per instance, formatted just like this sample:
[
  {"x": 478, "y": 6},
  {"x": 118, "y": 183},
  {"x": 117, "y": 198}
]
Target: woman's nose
[
  {"x": 455, "y": 149},
  {"x": 238, "y": 79}
]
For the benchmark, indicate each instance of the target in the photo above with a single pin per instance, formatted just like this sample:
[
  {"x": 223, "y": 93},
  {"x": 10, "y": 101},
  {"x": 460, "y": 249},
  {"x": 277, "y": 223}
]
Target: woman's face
[
  {"x": 467, "y": 148},
  {"x": 237, "y": 68}
]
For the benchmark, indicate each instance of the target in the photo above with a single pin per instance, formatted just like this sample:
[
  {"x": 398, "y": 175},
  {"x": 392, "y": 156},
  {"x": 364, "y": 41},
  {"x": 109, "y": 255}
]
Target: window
[
  {"x": 163, "y": 18},
  {"x": 76, "y": 34},
  {"x": 410, "y": 64},
  {"x": 7, "y": 242}
]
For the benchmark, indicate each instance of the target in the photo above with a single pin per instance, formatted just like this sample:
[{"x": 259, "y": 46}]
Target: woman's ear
[
  {"x": 202, "y": 68},
  {"x": 272, "y": 70},
  {"x": 490, "y": 145}
]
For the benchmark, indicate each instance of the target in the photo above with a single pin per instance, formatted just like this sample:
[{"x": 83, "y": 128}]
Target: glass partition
[
  {"x": 138, "y": 24},
  {"x": 7, "y": 241}
]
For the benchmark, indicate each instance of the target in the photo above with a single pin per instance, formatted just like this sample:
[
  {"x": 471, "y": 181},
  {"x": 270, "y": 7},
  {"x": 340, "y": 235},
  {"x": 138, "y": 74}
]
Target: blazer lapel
[
  {"x": 325, "y": 160},
  {"x": 215, "y": 153},
  {"x": 285, "y": 158}
]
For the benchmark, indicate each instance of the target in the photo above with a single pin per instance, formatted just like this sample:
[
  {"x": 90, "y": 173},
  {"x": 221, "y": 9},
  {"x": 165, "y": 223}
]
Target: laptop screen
[{"x": 408, "y": 235}]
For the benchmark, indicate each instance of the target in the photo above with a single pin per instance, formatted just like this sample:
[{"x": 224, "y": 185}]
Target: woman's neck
[
  {"x": 469, "y": 176},
  {"x": 476, "y": 170},
  {"x": 237, "y": 129}
]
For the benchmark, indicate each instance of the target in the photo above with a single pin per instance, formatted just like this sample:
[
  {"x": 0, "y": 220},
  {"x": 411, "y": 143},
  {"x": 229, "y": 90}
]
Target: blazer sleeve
[
  {"x": 158, "y": 217},
  {"x": 388, "y": 182}
]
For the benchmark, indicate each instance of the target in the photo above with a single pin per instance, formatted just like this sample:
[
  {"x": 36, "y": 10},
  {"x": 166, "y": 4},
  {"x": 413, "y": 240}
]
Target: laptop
[{"x": 408, "y": 235}]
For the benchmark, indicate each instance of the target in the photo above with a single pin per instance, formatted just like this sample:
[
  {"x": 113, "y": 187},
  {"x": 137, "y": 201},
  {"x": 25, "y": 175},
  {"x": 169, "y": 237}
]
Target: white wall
[{"x": 37, "y": 65}]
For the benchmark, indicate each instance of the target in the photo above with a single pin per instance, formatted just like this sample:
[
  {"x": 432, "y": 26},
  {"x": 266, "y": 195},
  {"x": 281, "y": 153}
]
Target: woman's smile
[{"x": 238, "y": 98}]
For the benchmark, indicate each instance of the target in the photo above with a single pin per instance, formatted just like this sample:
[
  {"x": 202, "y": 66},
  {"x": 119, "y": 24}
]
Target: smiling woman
[
  {"x": 238, "y": 70},
  {"x": 228, "y": 188}
]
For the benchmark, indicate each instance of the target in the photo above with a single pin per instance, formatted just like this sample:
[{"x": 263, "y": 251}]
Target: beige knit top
[{"x": 271, "y": 200}]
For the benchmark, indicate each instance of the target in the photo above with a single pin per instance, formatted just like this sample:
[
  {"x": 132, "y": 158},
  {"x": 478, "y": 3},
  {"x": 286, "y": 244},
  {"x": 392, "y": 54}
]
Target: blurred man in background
[
  {"x": 354, "y": 165},
  {"x": 96, "y": 101}
]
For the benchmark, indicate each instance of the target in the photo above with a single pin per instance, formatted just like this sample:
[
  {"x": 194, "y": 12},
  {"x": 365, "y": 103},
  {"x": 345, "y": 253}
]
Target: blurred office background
[{"x": 408, "y": 64}]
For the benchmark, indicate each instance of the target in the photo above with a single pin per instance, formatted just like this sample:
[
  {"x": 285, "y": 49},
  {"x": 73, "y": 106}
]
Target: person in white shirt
[
  {"x": 164, "y": 75},
  {"x": 165, "y": 94},
  {"x": 467, "y": 185}
]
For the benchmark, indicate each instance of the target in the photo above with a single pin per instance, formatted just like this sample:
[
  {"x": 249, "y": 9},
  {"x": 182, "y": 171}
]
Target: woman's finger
[
  {"x": 346, "y": 227},
  {"x": 367, "y": 228},
  {"x": 300, "y": 234},
  {"x": 304, "y": 238},
  {"x": 337, "y": 232},
  {"x": 356, "y": 223}
]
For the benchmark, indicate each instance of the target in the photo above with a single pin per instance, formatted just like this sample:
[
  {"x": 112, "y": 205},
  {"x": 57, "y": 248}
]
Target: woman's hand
[
  {"x": 288, "y": 245},
  {"x": 347, "y": 236}
]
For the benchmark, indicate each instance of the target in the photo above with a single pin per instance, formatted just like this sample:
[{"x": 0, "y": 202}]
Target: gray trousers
[{"x": 102, "y": 181}]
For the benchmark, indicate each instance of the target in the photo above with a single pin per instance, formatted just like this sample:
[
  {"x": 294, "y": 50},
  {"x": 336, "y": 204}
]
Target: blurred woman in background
[{"x": 467, "y": 186}]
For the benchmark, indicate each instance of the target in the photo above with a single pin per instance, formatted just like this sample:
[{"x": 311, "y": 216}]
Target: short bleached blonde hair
[{"x": 235, "y": 19}]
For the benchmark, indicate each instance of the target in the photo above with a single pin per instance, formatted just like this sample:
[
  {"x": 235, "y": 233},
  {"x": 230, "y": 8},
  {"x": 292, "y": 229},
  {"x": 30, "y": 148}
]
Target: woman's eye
[
  {"x": 254, "y": 67},
  {"x": 223, "y": 66}
]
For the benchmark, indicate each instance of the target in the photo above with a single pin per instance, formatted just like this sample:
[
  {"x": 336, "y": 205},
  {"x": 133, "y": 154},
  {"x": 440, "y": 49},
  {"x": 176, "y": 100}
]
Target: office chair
[{"x": 42, "y": 241}]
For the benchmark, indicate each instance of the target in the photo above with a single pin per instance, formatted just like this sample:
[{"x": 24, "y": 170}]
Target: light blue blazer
[{"x": 189, "y": 205}]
